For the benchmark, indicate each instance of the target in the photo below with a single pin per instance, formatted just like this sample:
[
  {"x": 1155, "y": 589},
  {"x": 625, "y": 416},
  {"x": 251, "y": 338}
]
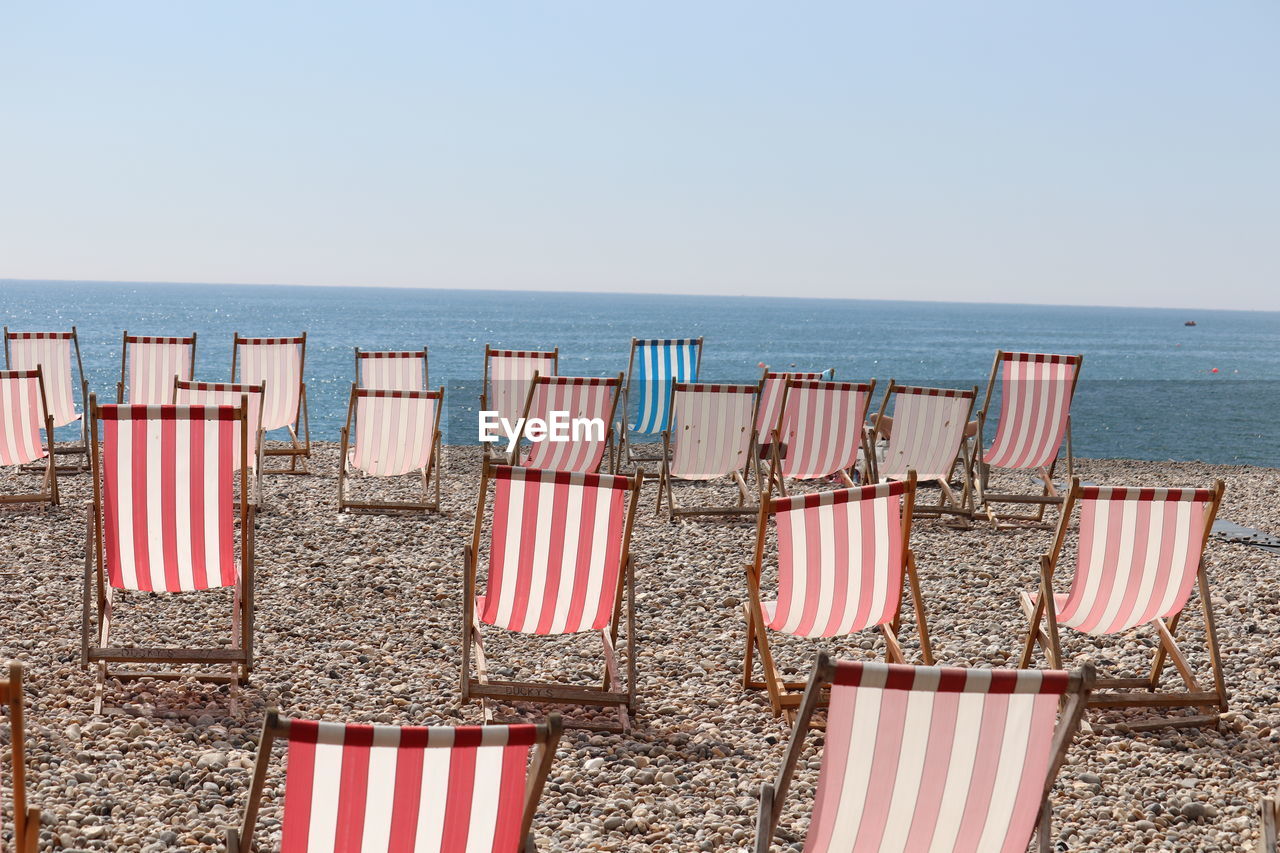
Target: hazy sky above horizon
[{"x": 1085, "y": 152}]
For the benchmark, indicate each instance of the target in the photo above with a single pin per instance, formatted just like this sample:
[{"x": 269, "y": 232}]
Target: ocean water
[{"x": 1147, "y": 389}]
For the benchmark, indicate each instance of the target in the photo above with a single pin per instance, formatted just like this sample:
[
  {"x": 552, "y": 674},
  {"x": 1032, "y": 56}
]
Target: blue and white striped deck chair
[{"x": 653, "y": 366}]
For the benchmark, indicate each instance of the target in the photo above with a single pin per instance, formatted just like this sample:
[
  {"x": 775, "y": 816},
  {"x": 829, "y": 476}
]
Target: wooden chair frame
[
  {"x": 81, "y": 449},
  {"x": 625, "y": 445},
  {"x": 124, "y": 361},
  {"x": 491, "y": 451},
  {"x": 1112, "y": 695},
  {"x": 26, "y": 819},
  {"x": 666, "y": 478},
  {"x": 255, "y": 494},
  {"x": 301, "y": 420},
  {"x": 426, "y": 365},
  {"x": 609, "y": 449},
  {"x": 776, "y": 478},
  {"x": 430, "y": 472},
  {"x": 48, "y": 493},
  {"x": 1269, "y": 834}
]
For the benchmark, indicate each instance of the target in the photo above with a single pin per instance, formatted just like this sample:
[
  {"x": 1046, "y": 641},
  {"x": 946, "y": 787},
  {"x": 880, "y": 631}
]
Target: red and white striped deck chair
[
  {"x": 403, "y": 789},
  {"x": 819, "y": 430},
  {"x": 842, "y": 559},
  {"x": 392, "y": 370},
  {"x": 925, "y": 434},
  {"x": 52, "y": 352},
  {"x": 278, "y": 363},
  {"x": 507, "y": 374},
  {"x": 395, "y": 433},
  {"x": 23, "y": 414},
  {"x": 26, "y": 820},
  {"x": 163, "y": 520},
  {"x": 578, "y": 413},
  {"x": 710, "y": 436},
  {"x": 1140, "y": 554},
  {"x": 559, "y": 563},
  {"x": 1036, "y": 390},
  {"x": 148, "y": 366},
  {"x": 772, "y": 384},
  {"x": 941, "y": 759},
  {"x": 231, "y": 394}
]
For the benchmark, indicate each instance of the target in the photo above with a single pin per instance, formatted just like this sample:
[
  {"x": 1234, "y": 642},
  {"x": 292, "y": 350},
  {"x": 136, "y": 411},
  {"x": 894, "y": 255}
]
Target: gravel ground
[{"x": 358, "y": 619}]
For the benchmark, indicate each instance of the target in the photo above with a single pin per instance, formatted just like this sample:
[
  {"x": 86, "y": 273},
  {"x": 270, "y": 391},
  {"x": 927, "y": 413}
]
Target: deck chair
[
  {"x": 52, "y": 352},
  {"x": 26, "y": 820},
  {"x": 1140, "y": 555},
  {"x": 711, "y": 436},
  {"x": 819, "y": 430},
  {"x": 148, "y": 366},
  {"x": 931, "y": 758},
  {"x": 392, "y": 371},
  {"x": 772, "y": 384},
  {"x": 1269, "y": 834},
  {"x": 926, "y": 434},
  {"x": 559, "y": 563},
  {"x": 842, "y": 560},
  {"x": 589, "y": 404},
  {"x": 163, "y": 520},
  {"x": 507, "y": 374},
  {"x": 396, "y": 433},
  {"x": 278, "y": 363},
  {"x": 1035, "y": 421},
  {"x": 403, "y": 789},
  {"x": 230, "y": 394},
  {"x": 651, "y": 368},
  {"x": 23, "y": 414}
]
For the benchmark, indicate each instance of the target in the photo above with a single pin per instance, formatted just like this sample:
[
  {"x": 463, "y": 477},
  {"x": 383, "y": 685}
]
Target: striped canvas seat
[
  {"x": 711, "y": 429},
  {"x": 276, "y": 363},
  {"x": 821, "y": 427},
  {"x": 507, "y": 374},
  {"x": 227, "y": 394},
  {"x": 1035, "y": 403},
  {"x": 51, "y": 352},
  {"x": 392, "y": 371},
  {"x": 149, "y": 366},
  {"x": 655, "y": 364},
  {"x": 574, "y": 397},
  {"x": 772, "y": 385},
  {"x": 395, "y": 431},
  {"x": 22, "y": 416},
  {"x": 928, "y": 428}
]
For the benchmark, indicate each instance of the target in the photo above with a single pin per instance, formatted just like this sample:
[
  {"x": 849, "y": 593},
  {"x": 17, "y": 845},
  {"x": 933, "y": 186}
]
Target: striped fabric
[
  {"x": 168, "y": 501},
  {"x": 658, "y": 363},
  {"x": 934, "y": 759},
  {"x": 227, "y": 394},
  {"x": 580, "y": 397},
  {"x": 389, "y": 789},
  {"x": 712, "y": 429},
  {"x": 153, "y": 365},
  {"x": 395, "y": 431},
  {"x": 1035, "y": 399},
  {"x": 51, "y": 352},
  {"x": 392, "y": 371},
  {"x": 821, "y": 427},
  {"x": 1138, "y": 557},
  {"x": 277, "y": 363},
  {"x": 556, "y": 553},
  {"x": 509, "y": 372},
  {"x": 21, "y": 417},
  {"x": 840, "y": 561},
  {"x": 928, "y": 427},
  {"x": 771, "y": 387}
]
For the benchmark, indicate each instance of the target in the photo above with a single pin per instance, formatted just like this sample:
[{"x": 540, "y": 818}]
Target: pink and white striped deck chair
[
  {"x": 587, "y": 406},
  {"x": 278, "y": 363},
  {"x": 164, "y": 520},
  {"x": 395, "y": 433},
  {"x": 23, "y": 414},
  {"x": 711, "y": 435},
  {"x": 819, "y": 430},
  {"x": 1140, "y": 554},
  {"x": 52, "y": 352},
  {"x": 26, "y": 820},
  {"x": 392, "y": 370},
  {"x": 925, "y": 434},
  {"x": 232, "y": 394},
  {"x": 507, "y": 374},
  {"x": 772, "y": 384},
  {"x": 842, "y": 558},
  {"x": 559, "y": 563},
  {"x": 148, "y": 366},
  {"x": 403, "y": 789},
  {"x": 1036, "y": 390},
  {"x": 920, "y": 758}
]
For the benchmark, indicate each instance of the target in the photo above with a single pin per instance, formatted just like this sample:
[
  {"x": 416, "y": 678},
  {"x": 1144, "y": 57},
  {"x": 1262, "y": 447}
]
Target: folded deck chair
[
  {"x": 587, "y": 406},
  {"x": 932, "y": 759},
  {"x": 392, "y": 371},
  {"x": 26, "y": 820},
  {"x": 819, "y": 430},
  {"x": 1035, "y": 421},
  {"x": 231, "y": 394},
  {"x": 148, "y": 366},
  {"x": 403, "y": 789},
  {"x": 926, "y": 434},
  {"x": 396, "y": 433},
  {"x": 23, "y": 414},
  {"x": 507, "y": 374},
  {"x": 559, "y": 563},
  {"x": 52, "y": 352},
  {"x": 1140, "y": 555},
  {"x": 711, "y": 436},
  {"x": 652, "y": 367},
  {"x": 1269, "y": 834},
  {"x": 278, "y": 363},
  {"x": 772, "y": 384},
  {"x": 842, "y": 558},
  {"x": 163, "y": 520}
]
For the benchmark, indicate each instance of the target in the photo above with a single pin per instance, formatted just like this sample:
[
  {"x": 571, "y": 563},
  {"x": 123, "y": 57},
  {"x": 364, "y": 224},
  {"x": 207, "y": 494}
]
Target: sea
[{"x": 1152, "y": 387}]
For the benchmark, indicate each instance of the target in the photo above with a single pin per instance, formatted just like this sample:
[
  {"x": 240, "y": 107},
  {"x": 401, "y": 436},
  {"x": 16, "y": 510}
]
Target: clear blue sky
[{"x": 1068, "y": 152}]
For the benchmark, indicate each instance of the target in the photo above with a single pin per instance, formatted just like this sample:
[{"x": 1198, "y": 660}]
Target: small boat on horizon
[{"x": 1189, "y": 323}]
